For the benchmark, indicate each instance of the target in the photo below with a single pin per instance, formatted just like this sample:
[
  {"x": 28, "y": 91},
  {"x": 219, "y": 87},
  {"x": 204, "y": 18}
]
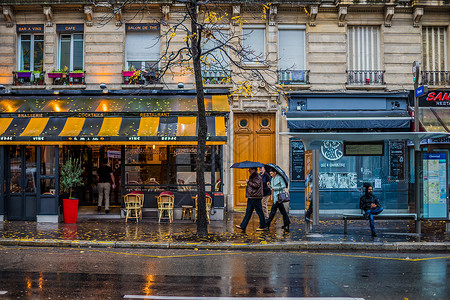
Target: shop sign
[
  {"x": 142, "y": 27},
  {"x": 35, "y": 28},
  {"x": 364, "y": 149},
  {"x": 6, "y": 138},
  {"x": 397, "y": 154},
  {"x": 439, "y": 141},
  {"x": 435, "y": 98},
  {"x": 297, "y": 160},
  {"x": 70, "y": 27}
]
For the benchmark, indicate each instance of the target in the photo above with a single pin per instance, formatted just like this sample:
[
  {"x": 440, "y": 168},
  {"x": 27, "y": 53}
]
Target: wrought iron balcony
[
  {"x": 365, "y": 77},
  {"x": 211, "y": 76},
  {"x": 435, "y": 77},
  {"x": 293, "y": 76}
]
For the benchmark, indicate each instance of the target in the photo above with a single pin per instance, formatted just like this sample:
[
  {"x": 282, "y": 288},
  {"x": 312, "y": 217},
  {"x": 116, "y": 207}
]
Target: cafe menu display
[
  {"x": 397, "y": 152},
  {"x": 297, "y": 160}
]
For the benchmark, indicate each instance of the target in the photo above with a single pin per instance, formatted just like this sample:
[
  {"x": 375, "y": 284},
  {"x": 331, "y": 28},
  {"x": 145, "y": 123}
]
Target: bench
[{"x": 400, "y": 216}]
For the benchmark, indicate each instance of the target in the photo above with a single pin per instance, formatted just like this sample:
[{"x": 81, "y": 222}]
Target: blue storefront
[{"x": 360, "y": 138}]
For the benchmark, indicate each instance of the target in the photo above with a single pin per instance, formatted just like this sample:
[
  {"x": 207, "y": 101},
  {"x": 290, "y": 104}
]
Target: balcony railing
[
  {"x": 141, "y": 77},
  {"x": 293, "y": 76},
  {"x": 216, "y": 76},
  {"x": 435, "y": 77},
  {"x": 28, "y": 78},
  {"x": 364, "y": 77}
]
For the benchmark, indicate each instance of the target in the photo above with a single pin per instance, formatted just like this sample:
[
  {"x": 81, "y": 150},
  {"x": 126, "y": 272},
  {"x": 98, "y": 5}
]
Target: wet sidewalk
[{"x": 101, "y": 230}]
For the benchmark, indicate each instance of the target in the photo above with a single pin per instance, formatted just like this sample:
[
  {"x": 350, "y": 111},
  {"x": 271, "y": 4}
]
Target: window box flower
[
  {"x": 76, "y": 74},
  {"x": 23, "y": 74},
  {"x": 127, "y": 73},
  {"x": 54, "y": 74}
]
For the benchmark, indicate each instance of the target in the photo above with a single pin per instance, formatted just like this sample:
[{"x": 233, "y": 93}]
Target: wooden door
[{"x": 254, "y": 140}]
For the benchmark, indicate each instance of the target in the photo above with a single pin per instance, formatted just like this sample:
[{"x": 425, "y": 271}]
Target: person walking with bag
[
  {"x": 277, "y": 186},
  {"x": 254, "y": 194}
]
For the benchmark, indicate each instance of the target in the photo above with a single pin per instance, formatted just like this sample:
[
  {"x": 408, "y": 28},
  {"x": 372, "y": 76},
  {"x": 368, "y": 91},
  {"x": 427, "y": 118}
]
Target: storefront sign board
[
  {"x": 35, "y": 28},
  {"x": 436, "y": 98}
]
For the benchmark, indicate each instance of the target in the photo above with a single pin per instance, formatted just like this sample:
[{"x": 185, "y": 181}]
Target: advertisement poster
[
  {"x": 435, "y": 186},
  {"x": 309, "y": 186}
]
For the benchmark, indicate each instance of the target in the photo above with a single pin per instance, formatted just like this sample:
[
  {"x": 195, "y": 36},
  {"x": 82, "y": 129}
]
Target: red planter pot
[
  {"x": 70, "y": 210},
  {"x": 54, "y": 75}
]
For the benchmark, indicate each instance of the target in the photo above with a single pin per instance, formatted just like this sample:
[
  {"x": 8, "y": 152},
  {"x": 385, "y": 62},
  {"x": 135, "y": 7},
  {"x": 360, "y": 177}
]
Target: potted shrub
[
  {"x": 55, "y": 74},
  {"x": 70, "y": 177},
  {"x": 130, "y": 72}
]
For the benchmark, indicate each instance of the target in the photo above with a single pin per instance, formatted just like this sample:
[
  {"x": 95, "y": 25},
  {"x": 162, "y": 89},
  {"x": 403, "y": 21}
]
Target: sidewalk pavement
[{"x": 100, "y": 230}]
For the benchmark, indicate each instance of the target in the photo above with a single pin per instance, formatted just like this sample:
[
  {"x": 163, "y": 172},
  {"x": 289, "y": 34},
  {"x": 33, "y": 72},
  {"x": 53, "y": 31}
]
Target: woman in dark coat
[
  {"x": 277, "y": 186},
  {"x": 254, "y": 193}
]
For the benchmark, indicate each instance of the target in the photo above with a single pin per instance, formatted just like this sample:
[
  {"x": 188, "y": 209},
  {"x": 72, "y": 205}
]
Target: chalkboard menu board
[
  {"x": 297, "y": 160},
  {"x": 397, "y": 152}
]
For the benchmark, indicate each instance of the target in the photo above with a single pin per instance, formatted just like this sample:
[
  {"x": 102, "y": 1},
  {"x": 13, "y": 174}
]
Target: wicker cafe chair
[
  {"x": 133, "y": 206},
  {"x": 165, "y": 205},
  {"x": 208, "y": 200}
]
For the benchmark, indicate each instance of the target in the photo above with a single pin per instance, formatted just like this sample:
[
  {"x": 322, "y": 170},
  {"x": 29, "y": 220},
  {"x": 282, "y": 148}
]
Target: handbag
[{"x": 283, "y": 197}]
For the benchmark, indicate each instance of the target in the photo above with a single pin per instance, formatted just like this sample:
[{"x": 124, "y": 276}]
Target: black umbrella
[
  {"x": 279, "y": 171},
  {"x": 247, "y": 164}
]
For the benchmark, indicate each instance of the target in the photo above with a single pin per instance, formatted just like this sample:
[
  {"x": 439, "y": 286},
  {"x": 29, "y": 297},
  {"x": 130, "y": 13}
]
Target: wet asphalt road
[{"x": 88, "y": 273}]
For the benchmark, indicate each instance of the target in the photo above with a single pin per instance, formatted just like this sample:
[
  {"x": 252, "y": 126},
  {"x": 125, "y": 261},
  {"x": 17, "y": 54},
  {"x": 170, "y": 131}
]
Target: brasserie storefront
[{"x": 149, "y": 141}]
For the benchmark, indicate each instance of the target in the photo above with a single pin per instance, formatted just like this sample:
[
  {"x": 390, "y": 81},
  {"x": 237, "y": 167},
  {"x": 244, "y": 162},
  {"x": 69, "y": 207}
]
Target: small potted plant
[
  {"x": 130, "y": 72},
  {"x": 55, "y": 74},
  {"x": 70, "y": 177}
]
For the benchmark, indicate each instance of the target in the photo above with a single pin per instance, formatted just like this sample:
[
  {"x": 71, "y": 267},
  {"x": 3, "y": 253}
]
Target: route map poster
[{"x": 435, "y": 204}]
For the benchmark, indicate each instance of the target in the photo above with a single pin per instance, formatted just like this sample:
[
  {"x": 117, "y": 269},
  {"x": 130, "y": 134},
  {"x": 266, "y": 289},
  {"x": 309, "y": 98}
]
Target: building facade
[{"x": 346, "y": 62}]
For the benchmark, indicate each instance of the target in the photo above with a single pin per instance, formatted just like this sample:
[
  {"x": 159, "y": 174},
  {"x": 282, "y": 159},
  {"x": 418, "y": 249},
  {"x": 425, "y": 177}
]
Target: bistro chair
[
  {"x": 165, "y": 205},
  {"x": 208, "y": 200},
  {"x": 133, "y": 206}
]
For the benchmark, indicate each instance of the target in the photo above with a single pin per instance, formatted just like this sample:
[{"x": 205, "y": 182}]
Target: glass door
[{"x": 21, "y": 193}]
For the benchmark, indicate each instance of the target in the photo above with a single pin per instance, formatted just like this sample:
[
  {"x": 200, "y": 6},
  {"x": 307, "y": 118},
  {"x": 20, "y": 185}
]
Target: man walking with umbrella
[{"x": 254, "y": 194}]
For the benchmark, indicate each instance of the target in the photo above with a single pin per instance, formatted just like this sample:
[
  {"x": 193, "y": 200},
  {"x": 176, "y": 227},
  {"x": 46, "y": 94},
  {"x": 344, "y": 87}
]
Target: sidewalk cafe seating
[
  {"x": 208, "y": 200},
  {"x": 165, "y": 205},
  {"x": 133, "y": 206}
]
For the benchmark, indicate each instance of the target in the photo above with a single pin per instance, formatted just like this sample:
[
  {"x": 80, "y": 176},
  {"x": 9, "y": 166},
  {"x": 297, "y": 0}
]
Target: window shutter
[
  {"x": 434, "y": 48},
  {"x": 364, "y": 48},
  {"x": 141, "y": 46},
  {"x": 254, "y": 40},
  {"x": 291, "y": 49}
]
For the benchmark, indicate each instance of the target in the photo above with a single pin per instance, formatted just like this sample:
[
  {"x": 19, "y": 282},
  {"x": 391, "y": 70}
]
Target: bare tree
[{"x": 206, "y": 46}]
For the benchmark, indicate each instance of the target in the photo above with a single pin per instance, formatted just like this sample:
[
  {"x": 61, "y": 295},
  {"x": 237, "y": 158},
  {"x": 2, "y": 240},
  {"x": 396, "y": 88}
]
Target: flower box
[
  {"x": 23, "y": 74},
  {"x": 76, "y": 74},
  {"x": 54, "y": 75},
  {"x": 127, "y": 73}
]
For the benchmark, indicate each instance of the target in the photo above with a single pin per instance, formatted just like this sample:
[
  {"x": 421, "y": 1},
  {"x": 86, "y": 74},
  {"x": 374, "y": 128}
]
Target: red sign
[{"x": 435, "y": 98}]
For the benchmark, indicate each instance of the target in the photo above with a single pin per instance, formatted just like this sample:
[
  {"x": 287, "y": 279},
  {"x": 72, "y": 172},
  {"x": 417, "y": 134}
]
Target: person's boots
[{"x": 374, "y": 234}]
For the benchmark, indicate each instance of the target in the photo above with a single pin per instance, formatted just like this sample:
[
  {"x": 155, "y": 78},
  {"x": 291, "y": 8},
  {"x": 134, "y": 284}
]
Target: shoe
[
  {"x": 374, "y": 234},
  {"x": 286, "y": 227},
  {"x": 262, "y": 229},
  {"x": 239, "y": 226},
  {"x": 99, "y": 208},
  {"x": 107, "y": 211},
  {"x": 366, "y": 216}
]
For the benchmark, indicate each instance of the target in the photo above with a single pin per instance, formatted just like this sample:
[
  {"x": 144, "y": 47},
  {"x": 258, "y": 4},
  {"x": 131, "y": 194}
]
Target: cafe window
[
  {"x": 159, "y": 168},
  {"x": 142, "y": 50},
  {"x": 31, "y": 52},
  {"x": 71, "y": 51}
]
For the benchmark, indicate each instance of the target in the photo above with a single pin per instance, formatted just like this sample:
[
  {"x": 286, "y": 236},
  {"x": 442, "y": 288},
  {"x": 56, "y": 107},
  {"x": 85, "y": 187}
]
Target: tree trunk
[{"x": 202, "y": 225}]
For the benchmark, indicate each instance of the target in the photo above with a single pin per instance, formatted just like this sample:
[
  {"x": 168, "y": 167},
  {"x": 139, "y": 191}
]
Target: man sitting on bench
[{"x": 371, "y": 206}]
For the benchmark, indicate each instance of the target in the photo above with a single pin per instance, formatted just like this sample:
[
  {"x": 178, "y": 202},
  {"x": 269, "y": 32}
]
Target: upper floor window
[
  {"x": 364, "y": 55},
  {"x": 71, "y": 51},
  {"x": 254, "y": 43},
  {"x": 217, "y": 58},
  {"x": 291, "y": 54},
  {"x": 31, "y": 52},
  {"x": 142, "y": 50},
  {"x": 434, "y": 48}
]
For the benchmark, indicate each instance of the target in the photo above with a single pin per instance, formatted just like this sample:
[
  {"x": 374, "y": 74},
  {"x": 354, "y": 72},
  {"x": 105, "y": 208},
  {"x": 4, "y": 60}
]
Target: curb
[{"x": 290, "y": 246}]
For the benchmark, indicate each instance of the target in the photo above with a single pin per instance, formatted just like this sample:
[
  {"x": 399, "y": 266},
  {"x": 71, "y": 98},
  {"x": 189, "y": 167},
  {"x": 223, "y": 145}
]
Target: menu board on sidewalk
[
  {"x": 297, "y": 160},
  {"x": 397, "y": 160}
]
